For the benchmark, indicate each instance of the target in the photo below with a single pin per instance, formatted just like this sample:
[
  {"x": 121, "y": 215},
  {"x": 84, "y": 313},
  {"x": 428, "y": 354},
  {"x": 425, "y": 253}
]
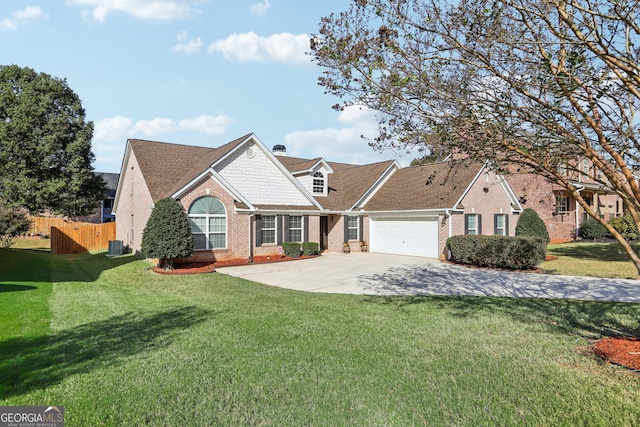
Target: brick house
[
  {"x": 559, "y": 210},
  {"x": 244, "y": 200}
]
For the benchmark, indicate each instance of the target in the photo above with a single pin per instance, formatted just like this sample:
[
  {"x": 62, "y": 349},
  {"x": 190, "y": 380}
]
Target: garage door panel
[{"x": 405, "y": 236}]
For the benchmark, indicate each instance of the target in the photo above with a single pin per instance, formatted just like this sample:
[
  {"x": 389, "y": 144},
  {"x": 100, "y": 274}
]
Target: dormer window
[{"x": 318, "y": 183}]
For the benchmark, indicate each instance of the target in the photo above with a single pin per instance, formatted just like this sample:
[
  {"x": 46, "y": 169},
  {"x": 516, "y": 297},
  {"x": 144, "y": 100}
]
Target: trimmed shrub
[
  {"x": 513, "y": 253},
  {"x": 592, "y": 229},
  {"x": 291, "y": 249},
  {"x": 167, "y": 235},
  {"x": 530, "y": 224},
  {"x": 310, "y": 248},
  {"x": 626, "y": 226}
]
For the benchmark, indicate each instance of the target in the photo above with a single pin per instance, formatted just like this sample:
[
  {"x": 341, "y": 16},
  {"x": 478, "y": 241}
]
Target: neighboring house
[
  {"x": 243, "y": 200},
  {"x": 103, "y": 213},
  {"x": 559, "y": 210}
]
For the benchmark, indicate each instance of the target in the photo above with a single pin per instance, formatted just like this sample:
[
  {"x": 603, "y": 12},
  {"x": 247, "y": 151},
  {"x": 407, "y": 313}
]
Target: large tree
[
  {"x": 534, "y": 86},
  {"x": 45, "y": 145}
]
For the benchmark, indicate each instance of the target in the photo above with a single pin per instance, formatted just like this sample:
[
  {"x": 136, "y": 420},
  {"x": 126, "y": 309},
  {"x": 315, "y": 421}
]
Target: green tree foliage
[
  {"x": 528, "y": 85},
  {"x": 530, "y": 224},
  {"x": 167, "y": 235},
  {"x": 13, "y": 223},
  {"x": 45, "y": 145}
]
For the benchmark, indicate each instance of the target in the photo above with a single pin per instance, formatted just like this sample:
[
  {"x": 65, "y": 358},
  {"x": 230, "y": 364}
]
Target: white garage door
[{"x": 405, "y": 236}]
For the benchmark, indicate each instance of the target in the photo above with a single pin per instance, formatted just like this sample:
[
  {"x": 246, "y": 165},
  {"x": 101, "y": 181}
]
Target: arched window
[
  {"x": 208, "y": 220},
  {"x": 318, "y": 183}
]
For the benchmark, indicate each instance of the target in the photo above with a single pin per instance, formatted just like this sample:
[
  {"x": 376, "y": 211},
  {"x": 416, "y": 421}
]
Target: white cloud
[
  {"x": 20, "y": 16},
  {"x": 185, "y": 45},
  {"x": 161, "y": 10},
  {"x": 260, "y": 8},
  {"x": 210, "y": 125},
  {"x": 283, "y": 48},
  {"x": 344, "y": 144},
  {"x": 119, "y": 128}
]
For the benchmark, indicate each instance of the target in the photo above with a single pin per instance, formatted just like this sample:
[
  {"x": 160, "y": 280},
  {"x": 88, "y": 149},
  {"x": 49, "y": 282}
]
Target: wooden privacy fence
[
  {"x": 72, "y": 240},
  {"x": 42, "y": 225}
]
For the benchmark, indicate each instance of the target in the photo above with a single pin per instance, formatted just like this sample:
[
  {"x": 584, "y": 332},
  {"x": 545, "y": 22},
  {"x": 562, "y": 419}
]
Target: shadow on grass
[
  {"x": 21, "y": 266},
  {"x": 588, "y": 319},
  {"x": 10, "y": 287},
  {"x": 31, "y": 363},
  {"x": 596, "y": 251}
]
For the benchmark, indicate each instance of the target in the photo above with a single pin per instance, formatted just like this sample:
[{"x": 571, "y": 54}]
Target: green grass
[
  {"x": 591, "y": 259},
  {"x": 116, "y": 344}
]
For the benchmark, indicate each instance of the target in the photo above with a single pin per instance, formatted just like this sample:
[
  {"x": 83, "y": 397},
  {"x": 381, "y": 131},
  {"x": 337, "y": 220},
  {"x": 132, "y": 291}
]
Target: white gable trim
[
  {"x": 315, "y": 167},
  {"x": 253, "y": 138},
  {"x": 362, "y": 201},
  {"x": 510, "y": 194},
  {"x": 210, "y": 173},
  {"x": 125, "y": 161}
]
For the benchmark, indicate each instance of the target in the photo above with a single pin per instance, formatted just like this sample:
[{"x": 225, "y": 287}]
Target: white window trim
[
  {"x": 318, "y": 175},
  {"x": 469, "y": 229},
  {"x": 357, "y": 227},
  {"x": 301, "y": 228},
  {"x": 504, "y": 225},
  {"x": 275, "y": 230},
  {"x": 208, "y": 233},
  {"x": 564, "y": 204}
]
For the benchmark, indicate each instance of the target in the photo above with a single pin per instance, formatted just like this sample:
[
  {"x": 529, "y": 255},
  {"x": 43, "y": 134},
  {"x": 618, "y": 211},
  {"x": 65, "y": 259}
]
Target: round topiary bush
[
  {"x": 167, "y": 235},
  {"x": 530, "y": 224}
]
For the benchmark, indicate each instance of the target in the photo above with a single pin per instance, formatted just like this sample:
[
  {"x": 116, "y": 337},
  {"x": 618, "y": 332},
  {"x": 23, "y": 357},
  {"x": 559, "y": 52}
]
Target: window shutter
[
  {"x": 305, "y": 226},
  {"x": 361, "y": 228},
  {"x": 286, "y": 228},
  {"x": 346, "y": 228},
  {"x": 506, "y": 225},
  {"x": 279, "y": 230},
  {"x": 495, "y": 223},
  {"x": 466, "y": 224},
  {"x": 258, "y": 230},
  {"x": 479, "y": 224}
]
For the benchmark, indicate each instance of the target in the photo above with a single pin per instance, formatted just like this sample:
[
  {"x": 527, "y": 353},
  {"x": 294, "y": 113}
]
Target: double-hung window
[
  {"x": 208, "y": 221},
  {"x": 562, "y": 204},
  {"x": 500, "y": 225},
  {"x": 268, "y": 229},
  {"x": 353, "y": 228},
  {"x": 318, "y": 183},
  {"x": 295, "y": 228},
  {"x": 472, "y": 224}
]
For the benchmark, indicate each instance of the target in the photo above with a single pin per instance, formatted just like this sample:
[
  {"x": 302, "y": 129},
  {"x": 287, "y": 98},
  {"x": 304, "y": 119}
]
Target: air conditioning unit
[{"x": 115, "y": 248}]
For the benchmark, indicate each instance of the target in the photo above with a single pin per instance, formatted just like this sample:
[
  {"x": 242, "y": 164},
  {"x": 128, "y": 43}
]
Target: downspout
[
  {"x": 448, "y": 214},
  {"x": 250, "y": 240},
  {"x": 579, "y": 188}
]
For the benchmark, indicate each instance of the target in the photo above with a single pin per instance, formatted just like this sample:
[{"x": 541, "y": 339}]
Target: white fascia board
[
  {"x": 283, "y": 212},
  {"x": 473, "y": 181},
  {"x": 321, "y": 162},
  {"x": 362, "y": 201},
  {"x": 510, "y": 193},
  {"x": 279, "y": 165},
  {"x": 411, "y": 213},
  {"x": 125, "y": 161},
  {"x": 210, "y": 173}
]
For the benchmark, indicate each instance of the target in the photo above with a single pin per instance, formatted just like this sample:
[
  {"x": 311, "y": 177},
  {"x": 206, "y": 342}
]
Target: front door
[{"x": 324, "y": 232}]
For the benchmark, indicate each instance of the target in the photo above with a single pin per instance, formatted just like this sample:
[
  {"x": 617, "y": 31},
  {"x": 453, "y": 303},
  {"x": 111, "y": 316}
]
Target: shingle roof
[
  {"x": 168, "y": 167},
  {"x": 347, "y": 184},
  {"x": 435, "y": 186}
]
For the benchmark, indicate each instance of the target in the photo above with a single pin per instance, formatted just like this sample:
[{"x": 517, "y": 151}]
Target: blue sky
[{"x": 200, "y": 72}]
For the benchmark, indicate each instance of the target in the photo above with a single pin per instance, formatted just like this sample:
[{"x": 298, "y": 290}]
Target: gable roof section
[
  {"x": 435, "y": 186},
  {"x": 348, "y": 183},
  {"x": 168, "y": 167}
]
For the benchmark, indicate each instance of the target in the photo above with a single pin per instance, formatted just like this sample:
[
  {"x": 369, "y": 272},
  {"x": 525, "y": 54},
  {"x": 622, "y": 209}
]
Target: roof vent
[{"x": 279, "y": 150}]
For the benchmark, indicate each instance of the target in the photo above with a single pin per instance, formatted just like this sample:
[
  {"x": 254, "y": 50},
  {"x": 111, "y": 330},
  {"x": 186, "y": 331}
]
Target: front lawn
[
  {"x": 116, "y": 344},
  {"x": 591, "y": 259}
]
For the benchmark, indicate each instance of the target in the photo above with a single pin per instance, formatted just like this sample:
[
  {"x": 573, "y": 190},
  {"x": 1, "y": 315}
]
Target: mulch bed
[
  {"x": 623, "y": 351},
  {"x": 210, "y": 267}
]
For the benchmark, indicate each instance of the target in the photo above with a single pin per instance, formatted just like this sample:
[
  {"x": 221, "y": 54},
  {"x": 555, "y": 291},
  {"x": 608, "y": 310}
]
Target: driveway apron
[{"x": 382, "y": 274}]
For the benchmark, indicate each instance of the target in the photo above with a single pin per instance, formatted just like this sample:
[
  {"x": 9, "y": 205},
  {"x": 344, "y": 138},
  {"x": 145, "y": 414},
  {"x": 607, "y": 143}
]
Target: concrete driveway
[{"x": 382, "y": 274}]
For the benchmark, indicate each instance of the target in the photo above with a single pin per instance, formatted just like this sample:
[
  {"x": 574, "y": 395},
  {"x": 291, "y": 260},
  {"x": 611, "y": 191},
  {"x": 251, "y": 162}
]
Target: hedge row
[
  {"x": 513, "y": 253},
  {"x": 295, "y": 249}
]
